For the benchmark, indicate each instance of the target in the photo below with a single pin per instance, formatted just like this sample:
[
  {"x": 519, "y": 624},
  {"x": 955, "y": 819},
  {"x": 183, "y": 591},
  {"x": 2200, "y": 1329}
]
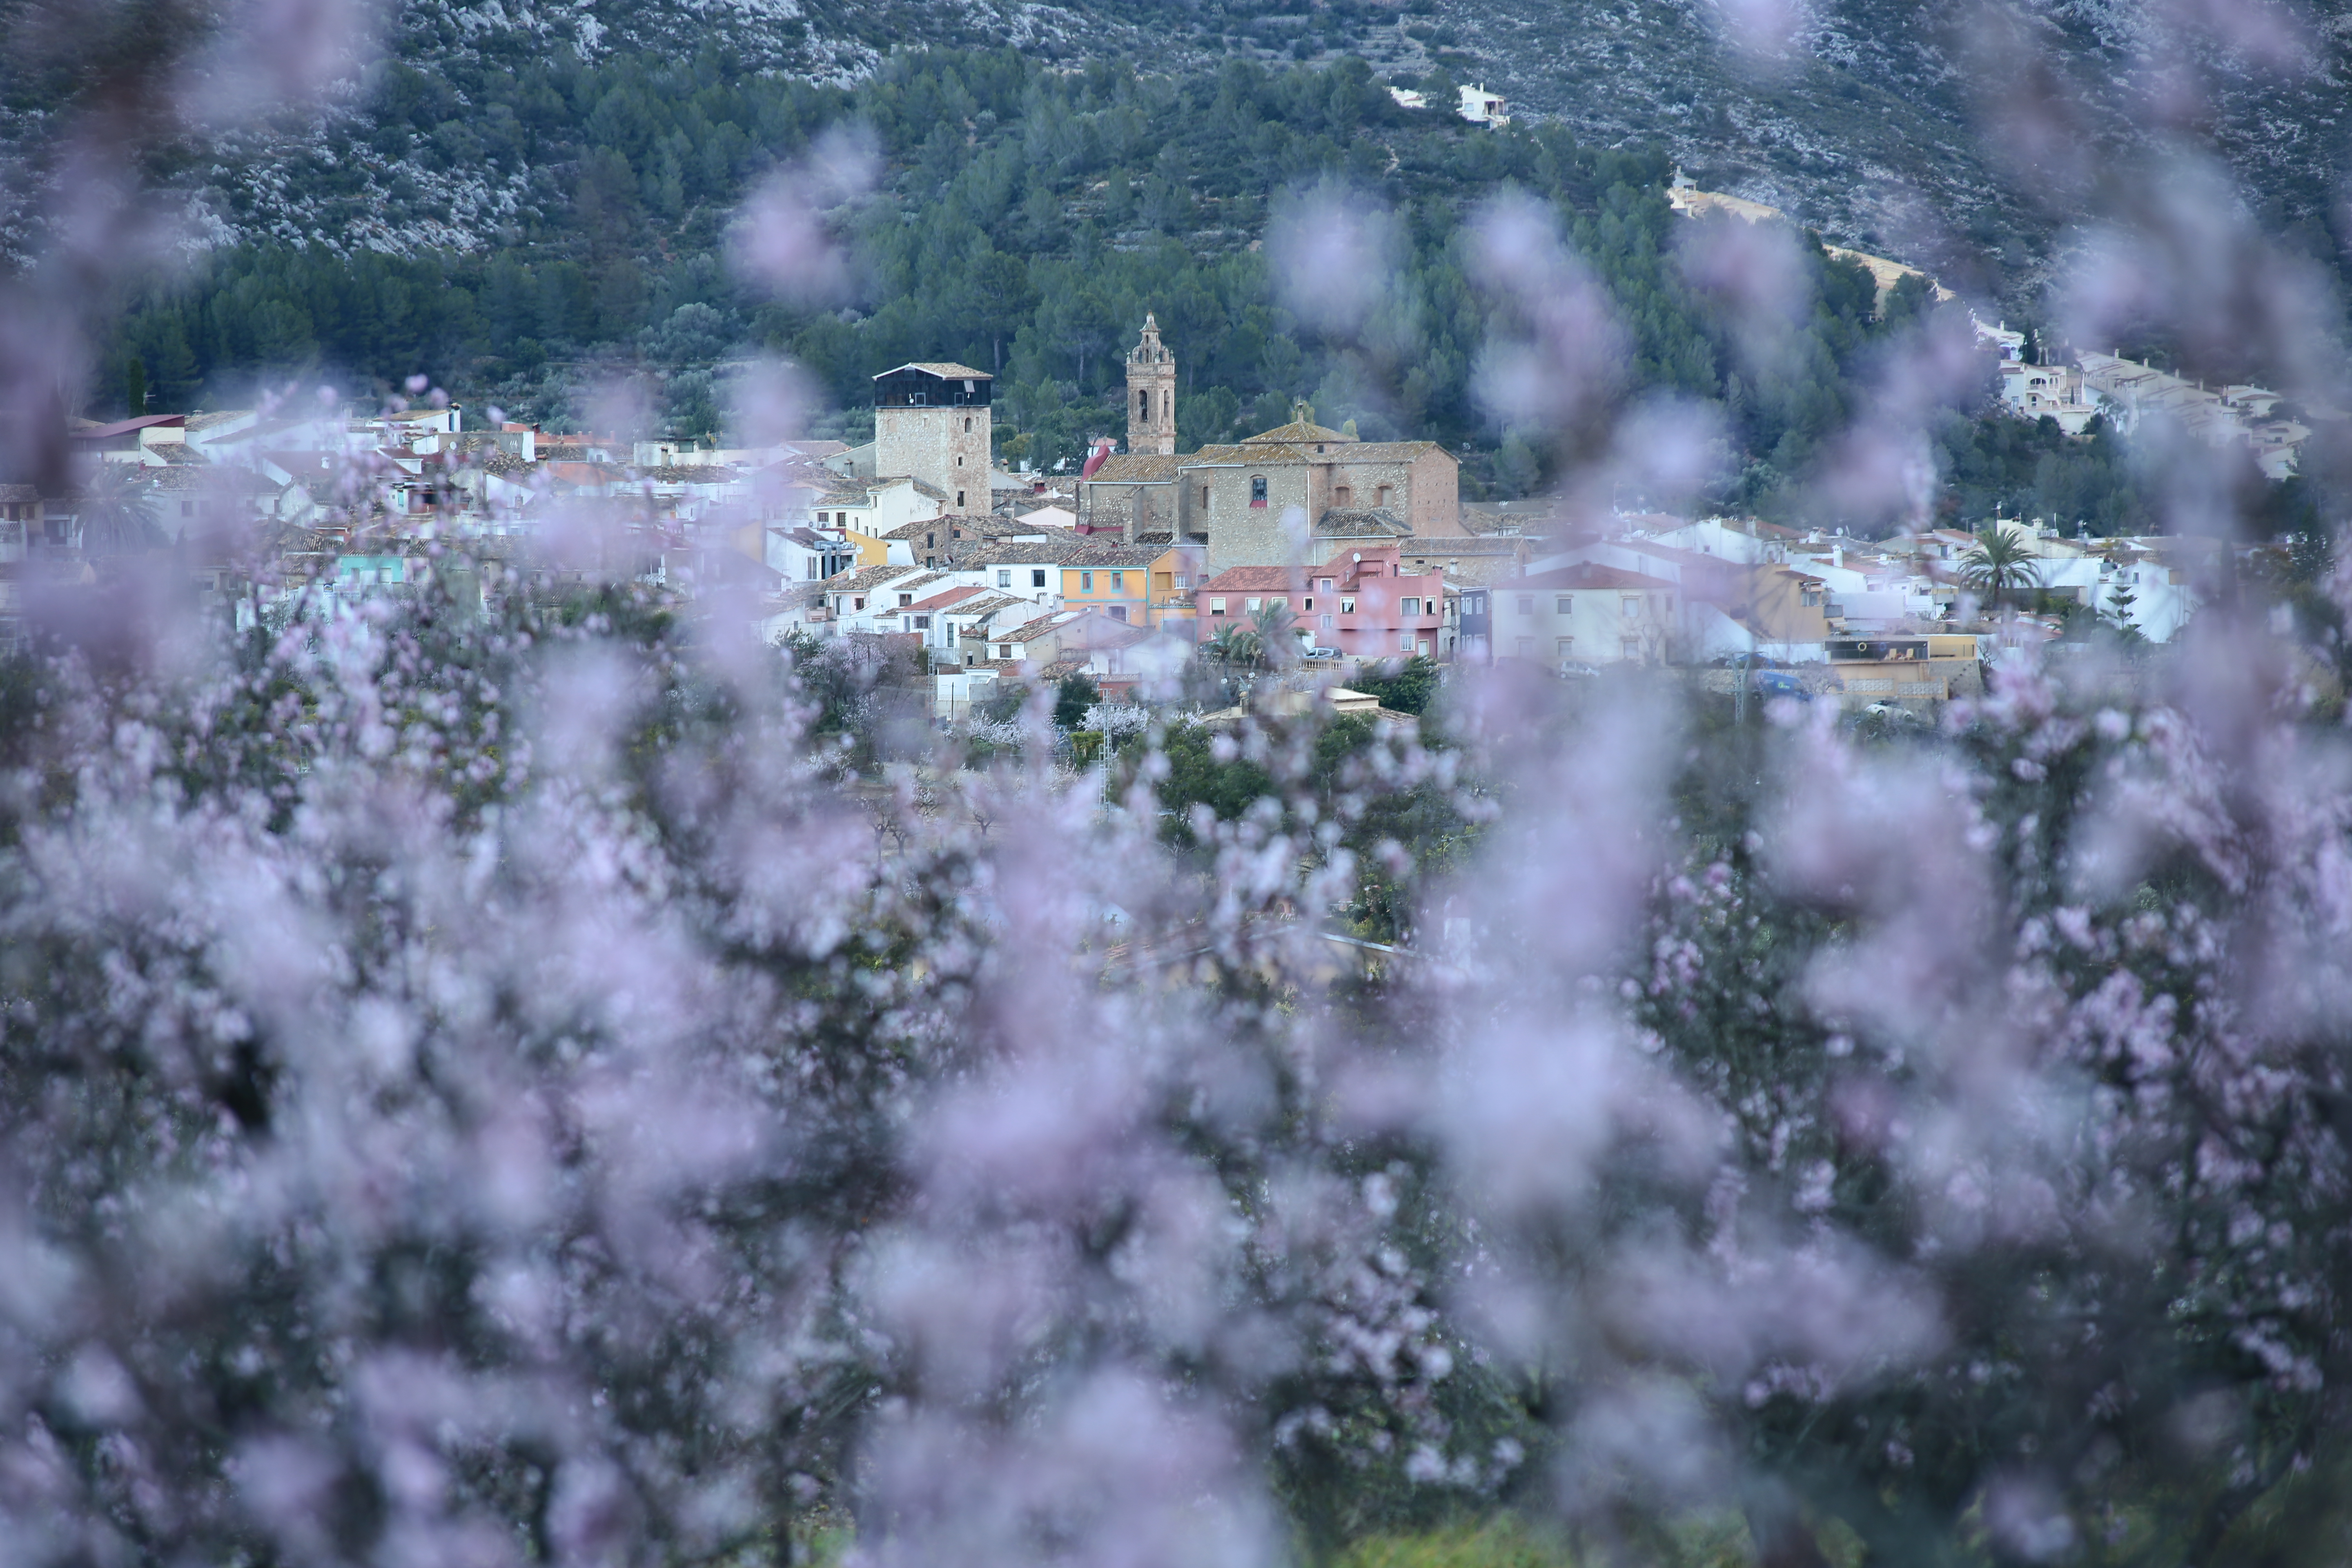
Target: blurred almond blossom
[{"x": 519, "y": 1071}]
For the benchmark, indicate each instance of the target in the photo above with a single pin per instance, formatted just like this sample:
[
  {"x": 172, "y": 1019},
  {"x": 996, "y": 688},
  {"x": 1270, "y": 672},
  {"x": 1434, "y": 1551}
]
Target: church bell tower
[{"x": 1151, "y": 395}]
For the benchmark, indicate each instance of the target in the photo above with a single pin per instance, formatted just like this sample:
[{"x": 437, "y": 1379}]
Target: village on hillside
[{"x": 1300, "y": 548}]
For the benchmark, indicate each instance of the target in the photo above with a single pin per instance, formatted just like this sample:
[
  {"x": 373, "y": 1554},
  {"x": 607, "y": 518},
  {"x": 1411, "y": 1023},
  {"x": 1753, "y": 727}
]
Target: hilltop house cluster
[
  {"x": 2129, "y": 395},
  {"x": 2133, "y": 397},
  {"x": 1360, "y": 551}
]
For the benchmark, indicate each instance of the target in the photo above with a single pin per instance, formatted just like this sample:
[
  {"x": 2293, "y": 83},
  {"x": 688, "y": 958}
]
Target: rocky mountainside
[
  {"x": 1918, "y": 127},
  {"x": 1940, "y": 134},
  {"x": 1945, "y": 134},
  {"x": 836, "y": 40}
]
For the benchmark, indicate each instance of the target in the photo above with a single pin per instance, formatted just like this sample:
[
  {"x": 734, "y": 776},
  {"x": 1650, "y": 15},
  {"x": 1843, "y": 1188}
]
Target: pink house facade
[{"x": 1362, "y": 604}]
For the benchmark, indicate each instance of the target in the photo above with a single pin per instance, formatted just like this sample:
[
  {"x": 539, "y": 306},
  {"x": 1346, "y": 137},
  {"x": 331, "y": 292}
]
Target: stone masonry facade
[
  {"x": 1235, "y": 497},
  {"x": 945, "y": 444},
  {"x": 1151, "y": 395}
]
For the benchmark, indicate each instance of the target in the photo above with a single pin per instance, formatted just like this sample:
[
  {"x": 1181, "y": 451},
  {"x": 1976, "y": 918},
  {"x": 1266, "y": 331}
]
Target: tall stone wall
[{"x": 947, "y": 449}]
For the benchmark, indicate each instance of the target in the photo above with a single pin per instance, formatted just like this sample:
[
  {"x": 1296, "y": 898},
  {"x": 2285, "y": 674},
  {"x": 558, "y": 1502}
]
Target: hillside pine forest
[{"x": 1025, "y": 218}]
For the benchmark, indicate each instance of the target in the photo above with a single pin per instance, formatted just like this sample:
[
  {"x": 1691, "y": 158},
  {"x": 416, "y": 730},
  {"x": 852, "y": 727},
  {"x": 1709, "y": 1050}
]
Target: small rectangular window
[
  {"x": 1384, "y": 493},
  {"x": 1324, "y": 584},
  {"x": 1326, "y": 623},
  {"x": 1005, "y": 650},
  {"x": 1411, "y": 607},
  {"x": 1404, "y": 641},
  {"x": 1005, "y": 579},
  {"x": 1307, "y": 603},
  {"x": 1204, "y": 495},
  {"x": 1257, "y": 490},
  {"x": 1347, "y": 606},
  {"x": 1037, "y": 577},
  {"x": 1563, "y": 605},
  {"x": 1342, "y": 497},
  {"x": 1630, "y": 606},
  {"x": 1118, "y": 582},
  {"x": 1631, "y": 648},
  {"x": 922, "y": 623},
  {"x": 1526, "y": 603},
  {"x": 1567, "y": 647},
  {"x": 905, "y": 600},
  {"x": 1254, "y": 605},
  {"x": 1085, "y": 581},
  {"x": 1216, "y": 606}
]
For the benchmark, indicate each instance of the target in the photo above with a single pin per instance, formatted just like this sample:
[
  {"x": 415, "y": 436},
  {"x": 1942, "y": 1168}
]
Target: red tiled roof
[
  {"x": 1253, "y": 579},
  {"x": 942, "y": 601}
]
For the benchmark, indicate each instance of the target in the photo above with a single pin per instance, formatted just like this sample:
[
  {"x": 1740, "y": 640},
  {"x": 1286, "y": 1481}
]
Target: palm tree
[
  {"x": 1277, "y": 638},
  {"x": 113, "y": 515},
  {"x": 2000, "y": 563},
  {"x": 1235, "y": 644}
]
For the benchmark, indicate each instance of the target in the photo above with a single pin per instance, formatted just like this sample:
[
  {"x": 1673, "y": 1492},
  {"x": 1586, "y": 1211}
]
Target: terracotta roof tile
[
  {"x": 1135, "y": 468},
  {"x": 865, "y": 578},
  {"x": 1298, "y": 430},
  {"x": 1129, "y": 555},
  {"x": 1254, "y": 579}
]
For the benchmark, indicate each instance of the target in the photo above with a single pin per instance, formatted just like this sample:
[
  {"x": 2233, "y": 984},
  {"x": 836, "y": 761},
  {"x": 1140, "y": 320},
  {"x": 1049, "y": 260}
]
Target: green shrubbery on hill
[{"x": 1025, "y": 219}]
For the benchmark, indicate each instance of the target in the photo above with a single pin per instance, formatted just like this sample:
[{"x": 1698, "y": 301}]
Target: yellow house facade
[{"x": 1144, "y": 585}]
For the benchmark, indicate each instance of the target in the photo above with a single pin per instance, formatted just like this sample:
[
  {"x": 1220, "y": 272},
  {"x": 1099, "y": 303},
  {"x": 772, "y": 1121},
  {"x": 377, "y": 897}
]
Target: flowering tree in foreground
[
  {"x": 476, "y": 1090},
  {"x": 489, "y": 1086}
]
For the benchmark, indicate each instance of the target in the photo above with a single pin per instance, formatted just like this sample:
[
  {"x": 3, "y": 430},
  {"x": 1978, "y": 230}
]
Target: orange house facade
[{"x": 1145, "y": 586}]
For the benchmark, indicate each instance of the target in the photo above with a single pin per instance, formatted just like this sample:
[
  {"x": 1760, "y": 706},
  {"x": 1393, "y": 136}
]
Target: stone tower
[
  {"x": 1151, "y": 395},
  {"x": 931, "y": 423}
]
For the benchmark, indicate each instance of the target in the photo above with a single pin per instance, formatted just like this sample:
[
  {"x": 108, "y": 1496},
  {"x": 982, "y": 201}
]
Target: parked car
[
  {"x": 1781, "y": 683},
  {"x": 1579, "y": 672}
]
